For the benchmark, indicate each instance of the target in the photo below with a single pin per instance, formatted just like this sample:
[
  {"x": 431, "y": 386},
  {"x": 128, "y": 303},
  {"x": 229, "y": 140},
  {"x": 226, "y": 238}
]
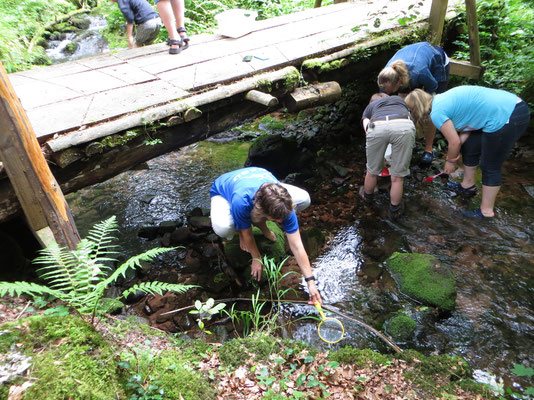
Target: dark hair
[
  {"x": 273, "y": 200},
  {"x": 378, "y": 96}
]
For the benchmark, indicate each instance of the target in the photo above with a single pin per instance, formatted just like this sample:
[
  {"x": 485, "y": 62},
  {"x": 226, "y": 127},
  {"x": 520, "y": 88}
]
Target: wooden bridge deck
[{"x": 76, "y": 95}]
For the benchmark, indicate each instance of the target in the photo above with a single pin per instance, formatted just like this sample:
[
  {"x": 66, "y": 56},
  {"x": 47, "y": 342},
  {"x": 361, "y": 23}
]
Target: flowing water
[
  {"x": 89, "y": 42},
  {"x": 493, "y": 325}
]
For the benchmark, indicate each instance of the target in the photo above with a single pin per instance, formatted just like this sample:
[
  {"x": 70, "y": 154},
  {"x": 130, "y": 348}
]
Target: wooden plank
[
  {"x": 465, "y": 68},
  {"x": 36, "y": 188},
  {"x": 40, "y": 93}
]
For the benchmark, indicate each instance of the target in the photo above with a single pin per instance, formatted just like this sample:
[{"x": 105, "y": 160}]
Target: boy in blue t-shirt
[{"x": 253, "y": 195}]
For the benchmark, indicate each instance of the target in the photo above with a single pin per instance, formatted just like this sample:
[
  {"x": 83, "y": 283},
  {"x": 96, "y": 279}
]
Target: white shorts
[{"x": 223, "y": 223}]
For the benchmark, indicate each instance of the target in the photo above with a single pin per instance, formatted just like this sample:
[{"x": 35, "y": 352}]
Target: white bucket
[{"x": 236, "y": 23}]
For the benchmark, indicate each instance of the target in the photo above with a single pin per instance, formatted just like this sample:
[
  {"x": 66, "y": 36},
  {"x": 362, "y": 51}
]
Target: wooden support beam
[
  {"x": 465, "y": 68},
  {"x": 38, "y": 192},
  {"x": 317, "y": 3},
  {"x": 436, "y": 21},
  {"x": 472, "y": 27}
]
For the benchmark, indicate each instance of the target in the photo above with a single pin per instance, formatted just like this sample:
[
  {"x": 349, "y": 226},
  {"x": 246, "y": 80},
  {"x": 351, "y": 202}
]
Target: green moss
[
  {"x": 424, "y": 278},
  {"x": 224, "y": 157},
  {"x": 71, "y": 47},
  {"x": 350, "y": 355},
  {"x": 40, "y": 331},
  {"x": 270, "y": 122},
  {"x": 258, "y": 347},
  {"x": 75, "y": 372},
  {"x": 292, "y": 79},
  {"x": 180, "y": 381},
  {"x": 73, "y": 360},
  {"x": 121, "y": 139},
  {"x": 275, "y": 250},
  {"x": 401, "y": 327},
  {"x": 438, "y": 374}
]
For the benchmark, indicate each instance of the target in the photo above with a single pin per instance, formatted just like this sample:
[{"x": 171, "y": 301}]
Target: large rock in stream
[{"x": 423, "y": 278}]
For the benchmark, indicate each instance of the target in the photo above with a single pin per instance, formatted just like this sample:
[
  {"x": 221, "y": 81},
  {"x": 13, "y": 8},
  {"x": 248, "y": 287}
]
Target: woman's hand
[
  {"x": 255, "y": 269},
  {"x": 315, "y": 296}
]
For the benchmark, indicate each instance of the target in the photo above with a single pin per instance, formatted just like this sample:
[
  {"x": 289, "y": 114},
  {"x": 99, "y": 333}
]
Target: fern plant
[{"x": 79, "y": 277}]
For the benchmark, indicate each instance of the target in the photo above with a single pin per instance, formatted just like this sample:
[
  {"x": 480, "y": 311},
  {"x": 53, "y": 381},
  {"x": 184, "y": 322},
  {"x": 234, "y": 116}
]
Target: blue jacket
[{"x": 426, "y": 65}]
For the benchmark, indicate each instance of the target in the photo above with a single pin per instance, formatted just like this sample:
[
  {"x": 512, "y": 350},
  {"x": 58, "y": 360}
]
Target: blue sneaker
[
  {"x": 458, "y": 188},
  {"x": 474, "y": 214},
  {"x": 427, "y": 158}
]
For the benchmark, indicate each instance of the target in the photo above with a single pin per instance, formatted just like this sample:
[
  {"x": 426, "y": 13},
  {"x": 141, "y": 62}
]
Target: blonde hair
[
  {"x": 419, "y": 103},
  {"x": 395, "y": 73},
  {"x": 272, "y": 200}
]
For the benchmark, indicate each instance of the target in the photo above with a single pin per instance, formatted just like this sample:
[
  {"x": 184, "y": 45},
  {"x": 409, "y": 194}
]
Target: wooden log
[
  {"x": 465, "y": 68},
  {"x": 262, "y": 98},
  {"x": 35, "y": 186},
  {"x": 154, "y": 114},
  {"x": 320, "y": 93},
  {"x": 317, "y": 3}
]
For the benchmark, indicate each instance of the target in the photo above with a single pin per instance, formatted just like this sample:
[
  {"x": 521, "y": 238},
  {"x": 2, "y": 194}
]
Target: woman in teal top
[{"x": 484, "y": 125}]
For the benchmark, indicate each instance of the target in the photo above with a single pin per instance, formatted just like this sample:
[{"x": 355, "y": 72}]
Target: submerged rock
[
  {"x": 423, "y": 278},
  {"x": 400, "y": 327}
]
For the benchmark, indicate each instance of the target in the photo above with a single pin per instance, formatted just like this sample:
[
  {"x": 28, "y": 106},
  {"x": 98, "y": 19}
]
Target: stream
[{"x": 493, "y": 324}]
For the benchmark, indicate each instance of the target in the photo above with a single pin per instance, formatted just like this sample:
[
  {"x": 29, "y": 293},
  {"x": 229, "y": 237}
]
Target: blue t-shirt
[
  {"x": 239, "y": 187},
  {"x": 472, "y": 108}
]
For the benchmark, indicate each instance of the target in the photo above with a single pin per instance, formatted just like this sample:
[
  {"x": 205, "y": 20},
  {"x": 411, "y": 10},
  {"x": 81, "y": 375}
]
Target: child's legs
[
  {"x": 300, "y": 197},
  {"x": 395, "y": 193},
  {"x": 221, "y": 218},
  {"x": 402, "y": 138},
  {"x": 376, "y": 142}
]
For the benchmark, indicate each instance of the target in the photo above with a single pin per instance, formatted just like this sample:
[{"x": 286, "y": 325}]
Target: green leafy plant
[
  {"x": 79, "y": 277},
  {"x": 206, "y": 311}
]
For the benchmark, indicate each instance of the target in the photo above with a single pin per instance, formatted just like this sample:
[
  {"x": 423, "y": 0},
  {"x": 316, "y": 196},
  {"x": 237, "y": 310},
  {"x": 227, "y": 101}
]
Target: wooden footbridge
[{"x": 91, "y": 117}]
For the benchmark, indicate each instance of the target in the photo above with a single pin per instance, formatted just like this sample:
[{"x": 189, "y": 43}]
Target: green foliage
[
  {"x": 19, "y": 23},
  {"x": 79, "y": 277},
  {"x": 206, "y": 311},
  {"x": 506, "y": 43},
  {"x": 154, "y": 376}
]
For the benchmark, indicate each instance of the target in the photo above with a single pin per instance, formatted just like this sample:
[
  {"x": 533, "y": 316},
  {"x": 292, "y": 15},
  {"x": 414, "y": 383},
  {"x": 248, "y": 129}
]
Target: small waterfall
[{"x": 88, "y": 42}]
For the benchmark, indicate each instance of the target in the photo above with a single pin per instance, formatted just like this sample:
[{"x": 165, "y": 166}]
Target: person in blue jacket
[
  {"x": 483, "y": 124},
  {"x": 253, "y": 195},
  {"x": 146, "y": 19},
  {"x": 418, "y": 65}
]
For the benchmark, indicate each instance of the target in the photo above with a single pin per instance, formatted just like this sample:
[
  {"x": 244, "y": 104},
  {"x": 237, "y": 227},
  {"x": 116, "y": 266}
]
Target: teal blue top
[{"x": 473, "y": 108}]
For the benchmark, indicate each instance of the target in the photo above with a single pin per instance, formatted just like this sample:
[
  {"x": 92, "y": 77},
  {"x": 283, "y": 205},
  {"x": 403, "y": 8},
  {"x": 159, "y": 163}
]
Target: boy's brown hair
[{"x": 272, "y": 200}]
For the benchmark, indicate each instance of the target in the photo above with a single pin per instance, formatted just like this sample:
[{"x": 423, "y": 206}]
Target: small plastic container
[{"x": 236, "y": 23}]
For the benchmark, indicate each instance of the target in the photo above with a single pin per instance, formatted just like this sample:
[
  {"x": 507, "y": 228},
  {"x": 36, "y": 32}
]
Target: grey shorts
[
  {"x": 147, "y": 32},
  {"x": 401, "y": 134}
]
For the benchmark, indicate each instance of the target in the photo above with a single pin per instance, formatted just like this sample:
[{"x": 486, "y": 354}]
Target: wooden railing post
[
  {"x": 472, "y": 27},
  {"x": 436, "y": 21},
  {"x": 40, "y": 196}
]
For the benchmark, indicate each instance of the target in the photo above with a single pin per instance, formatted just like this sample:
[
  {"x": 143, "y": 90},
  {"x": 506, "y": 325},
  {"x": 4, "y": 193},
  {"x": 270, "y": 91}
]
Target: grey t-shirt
[{"x": 392, "y": 106}]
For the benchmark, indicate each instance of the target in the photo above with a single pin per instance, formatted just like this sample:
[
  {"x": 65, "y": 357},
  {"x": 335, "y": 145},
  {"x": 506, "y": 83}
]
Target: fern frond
[
  {"x": 60, "y": 264},
  {"x": 157, "y": 288},
  {"x": 32, "y": 289},
  {"x": 101, "y": 236},
  {"x": 132, "y": 263}
]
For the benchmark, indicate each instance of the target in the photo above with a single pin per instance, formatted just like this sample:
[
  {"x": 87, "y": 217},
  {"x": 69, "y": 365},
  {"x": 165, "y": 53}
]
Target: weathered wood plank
[
  {"x": 36, "y": 188},
  {"x": 465, "y": 68}
]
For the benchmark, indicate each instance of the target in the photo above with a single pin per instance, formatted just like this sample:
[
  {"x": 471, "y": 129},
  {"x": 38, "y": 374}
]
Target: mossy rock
[
  {"x": 238, "y": 351},
  {"x": 71, "y": 48},
  {"x": 73, "y": 360},
  {"x": 275, "y": 250},
  {"x": 400, "y": 327},
  {"x": 423, "y": 278}
]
